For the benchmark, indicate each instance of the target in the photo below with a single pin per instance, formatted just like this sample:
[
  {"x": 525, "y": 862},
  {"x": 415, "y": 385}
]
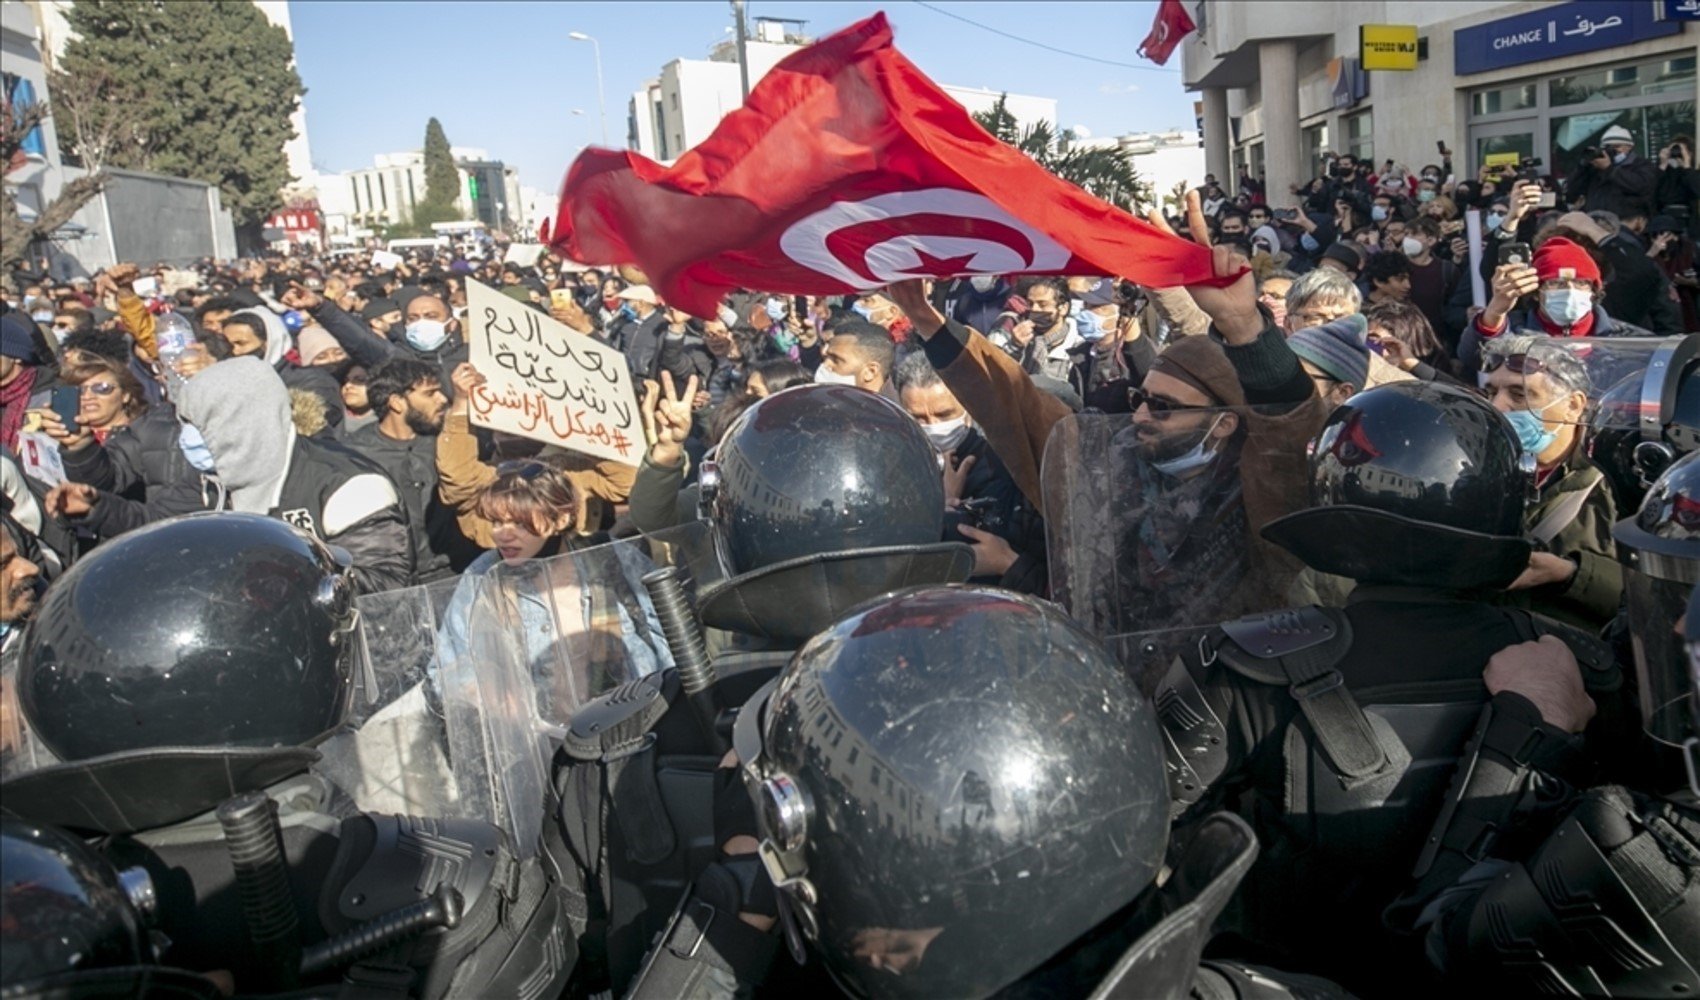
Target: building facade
[
  {"x": 682, "y": 107},
  {"x": 1281, "y": 83},
  {"x": 386, "y": 193}
]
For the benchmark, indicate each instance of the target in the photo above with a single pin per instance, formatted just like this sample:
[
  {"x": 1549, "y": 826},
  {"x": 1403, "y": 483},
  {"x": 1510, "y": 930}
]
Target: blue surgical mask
[
  {"x": 427, "y": 334},
  {"x": 194, "y": 448},
  {"x": 1378, "y": 213},
  {"x": 1567, "y": 306},
  {"x": 1532, "y": 432},
  {"x": 1494, "y": 219},
  {"x": 1199, "y": 456},
  {"x": 1091, "y": 326},
  {"x": 1425, "y": 196},
  {"x": 776, "y": 309},
  {"x": 862, "y": 311}
]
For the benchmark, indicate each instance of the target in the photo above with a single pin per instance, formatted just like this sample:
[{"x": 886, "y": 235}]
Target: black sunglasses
[{"x": 1161, "y": 409}]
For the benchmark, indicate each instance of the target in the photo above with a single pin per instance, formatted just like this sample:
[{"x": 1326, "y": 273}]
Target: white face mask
[
  {"x": 1567, "y": 306},
  {"x": 1412, "y": 247},
  {"x": 427, "y": 334},
  {"x": 983, "y": 283},
  {"x": 1200, "y": 455},
  {"x": 826, "y": 376},
  {"x": 947, "y": 434}
]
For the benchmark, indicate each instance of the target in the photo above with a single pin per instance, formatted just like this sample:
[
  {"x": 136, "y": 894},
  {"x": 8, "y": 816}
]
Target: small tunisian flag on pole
[
  {"x": 847, "y": 170},
  {"x": 1171, "y": 26}
]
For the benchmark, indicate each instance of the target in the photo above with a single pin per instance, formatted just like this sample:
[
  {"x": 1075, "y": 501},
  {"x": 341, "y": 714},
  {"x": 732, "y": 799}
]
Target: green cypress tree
[{"x": 211, "y": 86}]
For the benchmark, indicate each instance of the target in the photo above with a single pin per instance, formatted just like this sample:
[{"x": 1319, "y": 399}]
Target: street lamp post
[{"x": 579, "y": 36}]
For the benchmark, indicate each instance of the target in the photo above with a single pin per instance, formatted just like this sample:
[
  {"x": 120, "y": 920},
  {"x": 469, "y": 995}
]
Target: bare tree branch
[{"x": 16, "y": 235}]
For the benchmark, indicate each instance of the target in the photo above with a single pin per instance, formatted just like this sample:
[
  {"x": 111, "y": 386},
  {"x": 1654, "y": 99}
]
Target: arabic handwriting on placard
[{"x": 535, "y": 411}]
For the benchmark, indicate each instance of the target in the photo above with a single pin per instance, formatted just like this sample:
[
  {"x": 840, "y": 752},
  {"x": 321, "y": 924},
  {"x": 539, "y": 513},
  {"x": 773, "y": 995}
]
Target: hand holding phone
[
  {"x": 145, "y": 288},
  {"x": 67, "y": 403}
]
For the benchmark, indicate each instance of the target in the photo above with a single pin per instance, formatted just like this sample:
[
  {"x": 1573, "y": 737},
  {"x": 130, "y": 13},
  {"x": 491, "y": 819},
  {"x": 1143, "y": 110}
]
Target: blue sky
[{"x": 505, "y": 77}]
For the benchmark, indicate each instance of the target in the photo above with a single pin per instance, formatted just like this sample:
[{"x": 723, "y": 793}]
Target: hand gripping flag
[{"x": 847, "y": 170}]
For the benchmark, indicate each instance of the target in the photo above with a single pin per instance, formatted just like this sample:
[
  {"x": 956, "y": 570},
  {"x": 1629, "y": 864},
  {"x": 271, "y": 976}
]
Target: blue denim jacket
[{"x": 571, "y": 657}]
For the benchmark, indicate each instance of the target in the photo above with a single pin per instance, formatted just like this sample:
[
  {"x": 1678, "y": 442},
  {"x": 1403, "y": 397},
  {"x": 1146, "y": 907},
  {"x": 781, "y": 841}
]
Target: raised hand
[{"x": 667, "y": 418}]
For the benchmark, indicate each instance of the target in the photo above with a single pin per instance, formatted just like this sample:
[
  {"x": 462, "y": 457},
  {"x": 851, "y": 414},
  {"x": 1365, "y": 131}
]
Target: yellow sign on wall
[{"x": 1388, "y": 46}]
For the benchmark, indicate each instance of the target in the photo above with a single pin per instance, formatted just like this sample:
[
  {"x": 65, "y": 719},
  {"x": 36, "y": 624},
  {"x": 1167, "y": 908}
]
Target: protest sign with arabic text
[{"x": 548, "y": 383}]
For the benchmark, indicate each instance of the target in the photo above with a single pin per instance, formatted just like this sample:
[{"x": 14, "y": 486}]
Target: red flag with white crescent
[
  {"x": 1167, "y": 31},
  {"x": 846, "y": 170}
]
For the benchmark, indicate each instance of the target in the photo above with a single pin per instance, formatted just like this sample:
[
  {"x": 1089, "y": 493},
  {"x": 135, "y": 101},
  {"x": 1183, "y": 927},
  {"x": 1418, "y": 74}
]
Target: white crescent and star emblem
[{"x": 936, "y": 232}]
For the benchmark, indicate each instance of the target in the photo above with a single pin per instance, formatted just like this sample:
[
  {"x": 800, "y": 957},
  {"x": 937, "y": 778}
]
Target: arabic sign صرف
[{"x": 546, "y": 382}]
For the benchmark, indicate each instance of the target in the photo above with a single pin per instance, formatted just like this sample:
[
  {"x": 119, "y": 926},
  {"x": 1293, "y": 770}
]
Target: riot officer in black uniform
[
  {"x": 1598, "y": 893},
  {"x": 181, "y": 676},
  {"x": 1333, "y": 730},
  {"x": 819, "y": 498},
  {"x": 959, "y": 793}
]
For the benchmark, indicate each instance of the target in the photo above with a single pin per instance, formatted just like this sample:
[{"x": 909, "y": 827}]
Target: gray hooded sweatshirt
[{"x": 242, "y": 410}]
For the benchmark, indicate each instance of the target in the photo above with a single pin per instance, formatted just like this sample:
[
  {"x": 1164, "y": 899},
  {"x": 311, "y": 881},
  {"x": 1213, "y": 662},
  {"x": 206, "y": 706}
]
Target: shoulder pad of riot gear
[
  {"x": 1301, "y": 648},
  {"x": 1259, "y": 642}
]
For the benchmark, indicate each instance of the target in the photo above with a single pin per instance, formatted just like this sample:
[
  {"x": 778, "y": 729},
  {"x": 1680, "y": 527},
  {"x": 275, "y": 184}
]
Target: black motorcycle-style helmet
[
  {"x": 1415, "y": 483},
  {"x": 1647, "y": 421},
  {"x": 952, "y": 784},
  {"x": 1660, "y": 551},
  {"x": 208, "y": 630},
  {"x": 822, "y": 468}
]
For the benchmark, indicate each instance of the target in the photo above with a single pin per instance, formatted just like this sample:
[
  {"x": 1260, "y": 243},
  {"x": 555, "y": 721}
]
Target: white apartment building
[{"x": 682, "y": 106}]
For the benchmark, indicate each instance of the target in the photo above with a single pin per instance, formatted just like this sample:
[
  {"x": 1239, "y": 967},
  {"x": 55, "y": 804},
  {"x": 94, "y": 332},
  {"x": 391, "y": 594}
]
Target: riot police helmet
[
  {"x": 1415, "y": 483},
  {"x": 820, "y": 469},
  {"x": 952, "y": 783},
  {"x": 1660, "y": 551},
  {"x": 65, "y": 913},
  {"x": 207, "y": 630},
  {"x": 1648, "y": 419}
]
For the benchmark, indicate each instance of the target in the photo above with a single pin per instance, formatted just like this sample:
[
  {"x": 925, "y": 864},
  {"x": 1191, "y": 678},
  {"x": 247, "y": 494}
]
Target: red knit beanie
[{"x": 1560, "y": 258}]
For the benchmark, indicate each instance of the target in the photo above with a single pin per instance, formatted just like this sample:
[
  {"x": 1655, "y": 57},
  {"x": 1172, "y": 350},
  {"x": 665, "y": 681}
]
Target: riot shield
[
  {"x": 1153, "y": 520},
  {"x": 1607, "y": 399},
  {"x": 461, "y": 686}
]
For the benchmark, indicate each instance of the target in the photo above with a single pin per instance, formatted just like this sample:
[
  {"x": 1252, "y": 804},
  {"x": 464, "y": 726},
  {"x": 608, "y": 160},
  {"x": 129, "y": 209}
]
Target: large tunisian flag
[{"x": 846, "y": 170}]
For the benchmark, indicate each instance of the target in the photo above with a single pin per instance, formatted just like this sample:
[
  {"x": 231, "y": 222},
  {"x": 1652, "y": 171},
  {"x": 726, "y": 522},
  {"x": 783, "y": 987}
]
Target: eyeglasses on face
[
  {"x": 1160, "y": 407},
  {"x": 102, "y": 389}
]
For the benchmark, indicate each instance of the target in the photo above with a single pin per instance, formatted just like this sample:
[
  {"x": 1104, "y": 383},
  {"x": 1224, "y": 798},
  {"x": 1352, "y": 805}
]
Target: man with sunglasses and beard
[{"x": 1163, "y": 513}]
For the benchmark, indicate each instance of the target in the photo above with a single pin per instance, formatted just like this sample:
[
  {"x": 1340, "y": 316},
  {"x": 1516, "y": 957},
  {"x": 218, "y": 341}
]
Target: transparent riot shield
[
  {"x": 462, "y": 686},
  {"x": 1581, "y": 404},
  {"x": 20, "y": 750},
  {"x": 1153, "y": 519}
]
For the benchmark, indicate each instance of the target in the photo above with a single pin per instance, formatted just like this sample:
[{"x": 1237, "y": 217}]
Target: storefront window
[
  {"x": 1517, "y": 97},
  {"x": 1315, "y": 141},
  {"x": 1653, "y": 127},
  {"x": 1658, "y": 76},
  {"x": 1360, "y": 136}
]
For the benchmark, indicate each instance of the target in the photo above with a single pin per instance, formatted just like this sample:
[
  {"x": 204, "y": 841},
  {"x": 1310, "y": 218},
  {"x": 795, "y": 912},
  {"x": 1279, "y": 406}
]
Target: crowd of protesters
[{"x": 334, "y": 393}]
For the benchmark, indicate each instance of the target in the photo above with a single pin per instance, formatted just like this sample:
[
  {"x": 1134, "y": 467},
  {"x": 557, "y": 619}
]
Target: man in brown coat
[{"x": 1220, "y": 428}]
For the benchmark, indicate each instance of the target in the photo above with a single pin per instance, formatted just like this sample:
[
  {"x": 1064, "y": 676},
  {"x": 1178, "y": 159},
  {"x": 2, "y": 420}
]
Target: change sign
[{"x": 546, "y": 382}]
